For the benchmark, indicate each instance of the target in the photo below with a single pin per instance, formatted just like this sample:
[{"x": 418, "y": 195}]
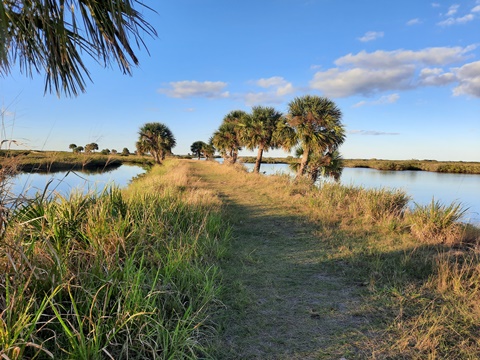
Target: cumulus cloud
[
  {"x": 278, "y": 83},
  {"x": 369, "y": 73},
  {"x": 387, "y": 99},
  {"x": 383, "y": 59},
  {"x": 469, "y": 80},
  {"x": 476, "y": 9},
  {"x": 187, "y": 89},
  {"x": 435, "y": 77},
  {"x": 371, "y": 35},
  {"x": 277, "y": 88},
  {"x": 371, "y": 132},
  {"x": 343, "y": 83}
]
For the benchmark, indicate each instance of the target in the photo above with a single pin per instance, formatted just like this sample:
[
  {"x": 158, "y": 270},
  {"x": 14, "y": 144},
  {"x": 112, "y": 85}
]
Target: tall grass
[{"x": 123, "y": 274}]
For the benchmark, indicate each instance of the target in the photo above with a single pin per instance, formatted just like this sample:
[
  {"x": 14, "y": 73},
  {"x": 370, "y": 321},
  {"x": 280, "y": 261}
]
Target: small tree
[
  {"x": 78, "y": 149},
  {"x": 197, "y": 147},
  {"x": 72, "y": 147},
  {"x": 157, "y": 139},
  {"x": 105, "y": 152},
  {"x": 125, "y": 152},
  {"x": 114, "y": 151}
]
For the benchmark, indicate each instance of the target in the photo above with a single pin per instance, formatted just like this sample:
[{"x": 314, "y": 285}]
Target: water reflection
[
  {"x": 29, "y": 184},
  {"x": 421, "y": 186}
]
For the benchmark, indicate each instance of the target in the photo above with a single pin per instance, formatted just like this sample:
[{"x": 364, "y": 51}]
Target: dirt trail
[{"x": 283, "y": 300}]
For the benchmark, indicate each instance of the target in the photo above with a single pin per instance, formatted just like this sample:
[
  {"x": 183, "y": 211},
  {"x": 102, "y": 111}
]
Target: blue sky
[{"x": 406, "y": 76}]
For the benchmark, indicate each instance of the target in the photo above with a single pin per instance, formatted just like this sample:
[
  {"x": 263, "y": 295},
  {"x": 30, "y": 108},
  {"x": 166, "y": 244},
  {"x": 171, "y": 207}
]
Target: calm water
[
  {"x": 421, "y": 186},
  {"x": 63, "y": 182}
]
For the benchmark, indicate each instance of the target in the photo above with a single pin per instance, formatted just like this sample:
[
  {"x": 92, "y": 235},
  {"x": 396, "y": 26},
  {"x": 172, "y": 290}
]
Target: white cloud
[
  {"x": 380, "y": 71},
  {"x": 428, "y": 56},
  {"x": 371, "y": 35},
  {"x": 343, "y": 83},
  {"x": 187, "y": 89},
  {"x": 252, "y": 98},
  {"x": 452, "y": 10},
  {"x": 476, "y": 9},
  {"x": 370, "y": 132},
  {"x": 469, "y": 80},
  {"x": 435, "y": 5},
  {"x": 277, "y": 87},
  {"x": 455, "y": 21},
  {"x": 413, "y": 22},
  {"x": 435, "y": 77},
  {"x": 387, "y": 99},
  {"x": 281, "y": 86}
]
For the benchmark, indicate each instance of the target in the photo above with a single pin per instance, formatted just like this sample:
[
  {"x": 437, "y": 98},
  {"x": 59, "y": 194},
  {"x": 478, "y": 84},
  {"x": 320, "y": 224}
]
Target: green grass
[
  {"x": 202, "y": 260},
  {"x": 124, "y": 274}
]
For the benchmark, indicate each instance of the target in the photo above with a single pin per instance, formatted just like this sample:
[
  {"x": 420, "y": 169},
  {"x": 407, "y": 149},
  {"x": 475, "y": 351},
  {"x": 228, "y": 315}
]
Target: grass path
[{"x": 283, "y": 300}]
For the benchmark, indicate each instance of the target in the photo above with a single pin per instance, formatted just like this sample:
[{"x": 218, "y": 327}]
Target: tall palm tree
[
  {"x": 157, "y": 139},
  {"x": 52, "y": 36},
  {"x": 318, "y": 127},
  {"x": 227, "y": 139},
  {"x": 259, "y": 131}
]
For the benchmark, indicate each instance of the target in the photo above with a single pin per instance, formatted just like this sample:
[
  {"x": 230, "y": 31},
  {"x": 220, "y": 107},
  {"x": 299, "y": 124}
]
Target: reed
[{"x": 120, "y": 274}]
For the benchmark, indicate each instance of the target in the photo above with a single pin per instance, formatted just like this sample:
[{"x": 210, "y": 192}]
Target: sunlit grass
[{"x": 121, "y": 274}]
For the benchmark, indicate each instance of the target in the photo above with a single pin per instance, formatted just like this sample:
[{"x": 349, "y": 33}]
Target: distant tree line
[{"x": 90, "y": 148}]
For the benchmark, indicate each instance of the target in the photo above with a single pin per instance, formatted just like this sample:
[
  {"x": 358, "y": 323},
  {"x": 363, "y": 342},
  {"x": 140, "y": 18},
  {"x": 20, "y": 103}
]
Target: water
[
  {"x": 65, "y": 182},
  {"x": 421, "y": 186}
]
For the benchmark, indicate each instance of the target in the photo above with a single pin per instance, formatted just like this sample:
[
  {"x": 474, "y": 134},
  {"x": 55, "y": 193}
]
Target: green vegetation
[
  {"x": 318, "y": 131},
  {"x": 51, "y": 161},
  {"x": 156, "y": 139},
  {"x": 45, "y": 36},
  {"x": 125, "y": 274},
  {"x": 313, "y": 124},
  {"x": 202, "y": 260},
  {"x": 458, "y": 167},
  {"x": 342, "y": 271}
]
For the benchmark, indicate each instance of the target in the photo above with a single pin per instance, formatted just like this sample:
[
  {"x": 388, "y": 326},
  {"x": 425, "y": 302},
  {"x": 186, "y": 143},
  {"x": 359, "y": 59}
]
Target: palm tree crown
[
  {"x": 157, "y": 139},
  {"x": 227, "y": 139},
  {"x": 318, "y": 127},
  {"x": 259, "y": 130}
]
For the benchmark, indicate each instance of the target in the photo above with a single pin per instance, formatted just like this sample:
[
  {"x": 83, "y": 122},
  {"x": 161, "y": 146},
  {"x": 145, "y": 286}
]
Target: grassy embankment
[
  {"x": 343, "y": 272},
  {"x": 51, "y": 161},
  {"x": 329, "y": 273},
  {"x": 125, "y": 274},
  {"x": 456, "y": 167}
]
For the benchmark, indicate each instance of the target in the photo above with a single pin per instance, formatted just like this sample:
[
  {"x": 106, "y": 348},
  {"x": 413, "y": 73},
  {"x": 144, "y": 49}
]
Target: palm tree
[
  {"x": 157, "y": 139},
  {"x": 227, "y": 139},
  {"x": 197, "y": 147},
  {"x": 46, "y": 36},
  {"x": 318, "y": 128},
  {"x": 259, "y": 131}
]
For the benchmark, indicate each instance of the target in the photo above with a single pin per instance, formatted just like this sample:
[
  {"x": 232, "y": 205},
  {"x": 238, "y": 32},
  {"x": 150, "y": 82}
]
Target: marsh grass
[
  {"x": 121, "y": 274},
  {"x": 416, "y": 270}
]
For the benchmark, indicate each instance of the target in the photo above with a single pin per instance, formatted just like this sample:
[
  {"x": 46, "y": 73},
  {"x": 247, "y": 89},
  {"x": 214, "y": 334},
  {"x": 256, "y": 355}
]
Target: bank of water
[
  {"x": 30, "y": 184},
  {"x": 421, "y": 186}
]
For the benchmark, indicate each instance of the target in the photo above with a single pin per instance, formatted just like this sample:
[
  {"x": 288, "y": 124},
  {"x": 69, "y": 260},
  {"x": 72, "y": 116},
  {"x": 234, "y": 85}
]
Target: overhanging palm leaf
[{"x": 51, "y": 35}]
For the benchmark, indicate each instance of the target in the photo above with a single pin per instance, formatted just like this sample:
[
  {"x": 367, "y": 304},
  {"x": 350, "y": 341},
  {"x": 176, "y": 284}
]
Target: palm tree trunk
[
  {"x": 304, "y": 162},
  {"x": 258, "y": 162},
  {"x": 234, "y": 156}
]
